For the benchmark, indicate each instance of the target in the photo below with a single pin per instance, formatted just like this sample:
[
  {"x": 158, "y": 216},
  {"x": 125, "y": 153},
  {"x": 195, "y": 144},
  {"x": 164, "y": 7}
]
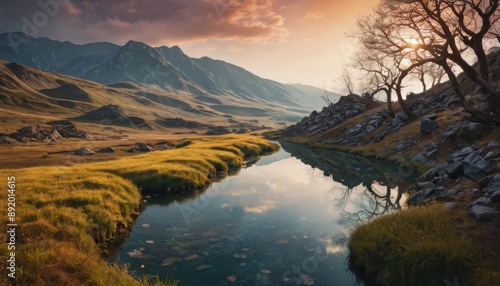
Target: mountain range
[{"x": 151, "y": 75}]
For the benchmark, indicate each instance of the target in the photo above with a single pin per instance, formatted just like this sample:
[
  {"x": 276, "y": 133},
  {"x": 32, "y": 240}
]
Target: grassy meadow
[
  {"x": 65, "y": 214},
  {"x": 417, "y": 246}
]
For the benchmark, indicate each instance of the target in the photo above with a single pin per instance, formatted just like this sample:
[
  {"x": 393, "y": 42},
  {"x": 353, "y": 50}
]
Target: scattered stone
[
  {"x": 495, "y": 197},
  {"x": 191, "y": 257},
  {"x": 84, "y": 152},
  {"x": 170, "y": 261},
  {"x": 239, "y": 256},
  {"x": 203, "y": 267},
  {"x": 476, "y": 167},
  {"x": 141, "y": 147},
  {"x": 135, "y": 254},
  {"x": 473, "y": 131},
  {"x": 428, "y": 126},
  {"x": 218, "y": 130},
  {"x": 484, "y": 213},
  {"x": 106, "y": 150},
  {"x": 231, "y": 278},
  {"x": 283, "y": 241}
]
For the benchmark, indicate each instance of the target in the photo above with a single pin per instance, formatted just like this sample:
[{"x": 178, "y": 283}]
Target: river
[{"x": 284, "y": 220}]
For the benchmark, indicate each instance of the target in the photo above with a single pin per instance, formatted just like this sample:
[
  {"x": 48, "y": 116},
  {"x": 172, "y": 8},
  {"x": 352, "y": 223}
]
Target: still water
[{"x": 285, "y": 220}]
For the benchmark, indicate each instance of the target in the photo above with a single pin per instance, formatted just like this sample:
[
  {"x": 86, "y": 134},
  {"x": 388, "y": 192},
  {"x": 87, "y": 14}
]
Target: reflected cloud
[
  {"x": 331, "y": 247},
  {"x": 263, "y": 207}
]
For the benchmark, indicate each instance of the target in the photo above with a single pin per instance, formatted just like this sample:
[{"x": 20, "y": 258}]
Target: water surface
[{"x": 285, "y": 220}]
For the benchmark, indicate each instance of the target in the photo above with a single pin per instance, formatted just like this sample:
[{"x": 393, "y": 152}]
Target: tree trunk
[
  {"x": 470, "y": 109},
  {"x": 390, "y": 110},
  {"x": 401, "y": 101}
]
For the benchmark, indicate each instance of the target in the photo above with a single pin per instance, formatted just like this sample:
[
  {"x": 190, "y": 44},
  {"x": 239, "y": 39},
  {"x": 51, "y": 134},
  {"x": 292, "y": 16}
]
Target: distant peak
[{"x": 132, "y": 43}]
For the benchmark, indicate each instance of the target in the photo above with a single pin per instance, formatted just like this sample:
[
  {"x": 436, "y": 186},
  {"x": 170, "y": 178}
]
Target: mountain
[{"x": 222, "y": 86}]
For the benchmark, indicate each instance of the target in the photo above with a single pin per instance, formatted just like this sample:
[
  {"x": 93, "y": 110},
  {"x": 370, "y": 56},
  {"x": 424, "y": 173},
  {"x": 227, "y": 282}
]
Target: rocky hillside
[{"x": 457, "y": 154}]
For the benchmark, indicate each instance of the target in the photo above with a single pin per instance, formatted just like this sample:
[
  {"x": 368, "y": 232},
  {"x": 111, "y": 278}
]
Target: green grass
[
  {"x": 417, "y": 246},
  {"x": 65, "y": 214}
]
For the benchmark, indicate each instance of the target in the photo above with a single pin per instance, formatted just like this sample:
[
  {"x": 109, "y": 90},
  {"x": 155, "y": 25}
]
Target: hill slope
[{"x": 162, "y": 68}]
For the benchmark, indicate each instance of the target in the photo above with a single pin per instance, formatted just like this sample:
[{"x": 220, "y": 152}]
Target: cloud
[
  {"x": 153, "y": 21},
  {"x": 236, "y": 49},
  {"x": 314, "y": 15}
]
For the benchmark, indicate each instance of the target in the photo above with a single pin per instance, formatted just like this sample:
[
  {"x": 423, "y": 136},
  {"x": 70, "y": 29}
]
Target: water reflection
[
  {"x": 382, "y": 181},
  {"x": 279, "y": 222}
]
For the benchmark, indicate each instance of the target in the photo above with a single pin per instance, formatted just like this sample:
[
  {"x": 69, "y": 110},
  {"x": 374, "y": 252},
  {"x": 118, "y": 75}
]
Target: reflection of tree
[{"x": 370, "y": 185}]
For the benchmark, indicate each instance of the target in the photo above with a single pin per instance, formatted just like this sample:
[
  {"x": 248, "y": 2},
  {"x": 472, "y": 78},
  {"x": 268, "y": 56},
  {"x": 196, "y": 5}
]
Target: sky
[{"x": 290, "y": 41}]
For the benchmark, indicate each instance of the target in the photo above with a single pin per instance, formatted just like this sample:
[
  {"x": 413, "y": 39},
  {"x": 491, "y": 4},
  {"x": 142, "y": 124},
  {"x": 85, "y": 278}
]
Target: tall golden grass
[{"x": 65, "y": 214}]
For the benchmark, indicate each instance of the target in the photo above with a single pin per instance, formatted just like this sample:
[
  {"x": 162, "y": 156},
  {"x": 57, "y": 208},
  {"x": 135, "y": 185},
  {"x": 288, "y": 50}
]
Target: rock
[
  {"x": 231, "y": 278},
  {"x": 218, "y": 130},
  {"x": 203, "y": 267},
  {"x": 484, "y": 213},
  {"x": 476, "y": 167},
  {"x": 170, "y": 261},
  {"x": 431, "y": 116},
  {"x": 428, "y": 155},
  {"x": 370, "y": 128},
  {"x": 67, "y": 129},
  {"x": 483, "y": 201},
  {"x": 495, "y": 197},
  {"x": 428, "y": 126},
  {"x": 402, "y": 115},
  {"x": 431, "y": 174},
  {"x": 84, "y": 152},
  {"x": 106, "y": 150},
  {"x": 7, "y": 140},
  {"x": 396, "y": 121},
  {"x": 141, "y": 147},
  {"x": 135, "y": 254},
  {"x": 454, "y": 169},
  {"x": 473, "y": 131},
  {"x": 243, "y": 131}
]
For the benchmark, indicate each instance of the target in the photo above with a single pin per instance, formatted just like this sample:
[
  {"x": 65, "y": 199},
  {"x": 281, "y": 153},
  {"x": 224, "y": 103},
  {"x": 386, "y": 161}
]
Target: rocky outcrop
[
  {"x": 106, "y": 150},
  {"x": 318, "y": 122},
  {"x": 67, "y": 129},
  {"x": 180, "y": 123},
  {"x": 219, "y": 130},
  {"x": 141, "y": 148},
  {"x": 114, "y": 115},
  {"x": 84, "y": 152},
  {"x": 476, "y": 164},
  {"x": 58, "y": 130}
]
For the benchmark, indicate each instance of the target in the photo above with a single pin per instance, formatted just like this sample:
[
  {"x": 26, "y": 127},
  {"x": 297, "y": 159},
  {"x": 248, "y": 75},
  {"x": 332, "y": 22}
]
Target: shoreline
[{"x": 124, "y": 178}]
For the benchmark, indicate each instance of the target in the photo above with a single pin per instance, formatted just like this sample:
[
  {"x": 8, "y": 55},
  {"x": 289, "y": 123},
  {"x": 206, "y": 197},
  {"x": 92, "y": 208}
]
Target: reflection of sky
[{"x": 279, "y": 198}]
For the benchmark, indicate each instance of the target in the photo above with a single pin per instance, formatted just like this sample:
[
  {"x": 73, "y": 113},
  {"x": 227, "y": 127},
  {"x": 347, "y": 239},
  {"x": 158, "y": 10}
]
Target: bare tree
[
  {"x": 377, "y": 58},
  {"x": 381, "y": 70},
  {"x": 441, "y": 32},
  {"x": 429, "y": 71},
  {"x": 346, "y": 81},
  {"x": 327, "y": 99}
]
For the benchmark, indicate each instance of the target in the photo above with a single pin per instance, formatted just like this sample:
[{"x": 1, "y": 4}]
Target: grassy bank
[
  {"x": 417, "y": 246},
  {"x": 62, "y": 212}
]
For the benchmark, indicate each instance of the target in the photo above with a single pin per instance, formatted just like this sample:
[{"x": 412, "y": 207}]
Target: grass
[
  {"x": 65, "y": 214},
  {"x": 416, "y": 246}
]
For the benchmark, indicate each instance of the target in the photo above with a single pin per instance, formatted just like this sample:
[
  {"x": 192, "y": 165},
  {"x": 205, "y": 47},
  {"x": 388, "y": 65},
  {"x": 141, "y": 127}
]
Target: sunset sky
[{"x": 291, "y": 41}]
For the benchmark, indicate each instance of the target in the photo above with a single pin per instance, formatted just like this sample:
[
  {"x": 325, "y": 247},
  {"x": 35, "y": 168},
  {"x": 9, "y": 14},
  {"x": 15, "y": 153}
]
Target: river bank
[
  {"x": 66, "y": 214},
  {"x": 456, "y": 155}
]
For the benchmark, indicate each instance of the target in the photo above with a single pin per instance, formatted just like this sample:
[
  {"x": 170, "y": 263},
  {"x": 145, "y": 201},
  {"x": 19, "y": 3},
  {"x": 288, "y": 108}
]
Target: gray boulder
[
  {"x": 106, "y": 150},
  {"x": 476, "y": 167},
  {"x": 84, "y": 152},
  {"x": 484, "y": 213},
  {"x": 428, "y": 126},
  {"x": 496, "y": 197}
]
